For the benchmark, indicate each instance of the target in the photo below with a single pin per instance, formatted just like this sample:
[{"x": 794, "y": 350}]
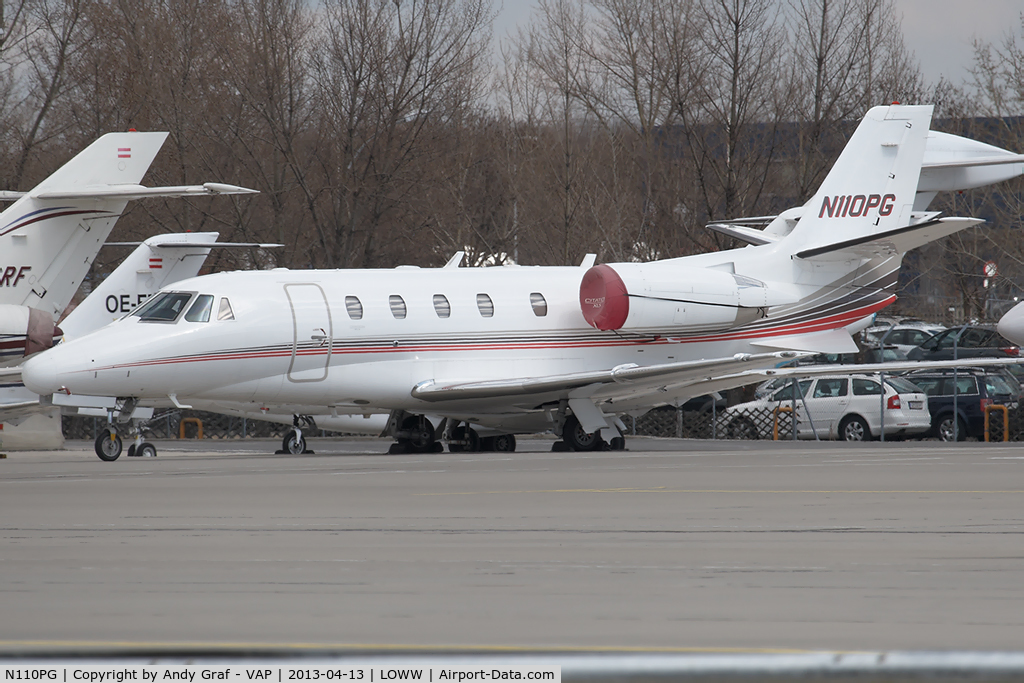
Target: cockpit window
[
  {"x": 165, "y": 307},
  {"x": 225, "y": 310},
  {"x": 200, "y": 311}
]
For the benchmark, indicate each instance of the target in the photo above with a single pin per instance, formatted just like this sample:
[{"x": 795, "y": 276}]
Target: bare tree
[
  {"x": 47, "y": 38},
  {"x": 732, "y": 118},
  {"x": 390, "y": 76}
]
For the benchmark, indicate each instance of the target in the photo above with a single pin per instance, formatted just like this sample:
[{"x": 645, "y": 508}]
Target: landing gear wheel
[
  {"x": 108, "y": 445},
  {"x": 131, "y": 451},
  {"x": 146, "y": 450},
  {"x": 945, "y": 429},
  {"x": 577, "y": 438},
  {"x": 421, "y": 434},
  {"x": 293, "y": 443},
  {"x": 504, "y": 443},
  {"x": 854, "y": 428},
  {"x": 467, "y": 434}
]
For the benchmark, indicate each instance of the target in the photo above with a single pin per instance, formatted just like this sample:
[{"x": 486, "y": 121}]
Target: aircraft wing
[
  {"x": 13, "y": 413},
  {"x": 628, "y": 374},
  {"x": 889, "y": 367},
  {"x": 10, "y": 374}
]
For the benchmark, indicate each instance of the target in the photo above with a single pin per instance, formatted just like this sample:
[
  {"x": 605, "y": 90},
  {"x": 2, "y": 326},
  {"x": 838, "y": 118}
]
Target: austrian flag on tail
[
  {"x": 155, "y": 263},
  {"x": 124, "y": 152}
]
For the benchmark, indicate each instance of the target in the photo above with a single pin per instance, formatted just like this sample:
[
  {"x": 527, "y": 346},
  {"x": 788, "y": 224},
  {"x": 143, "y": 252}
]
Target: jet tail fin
[
  {"x": 113, "y": 159},
  {"x": 871, "y": 188},
  {"x": 50, "y": 236},
  {"x": 157, "y": 262}
]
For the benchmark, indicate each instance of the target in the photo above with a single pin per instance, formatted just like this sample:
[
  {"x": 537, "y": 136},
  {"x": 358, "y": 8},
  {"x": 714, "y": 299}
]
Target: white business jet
[
  {"x": 51, "y": 234},
  {"x": 464, "y": 353}
]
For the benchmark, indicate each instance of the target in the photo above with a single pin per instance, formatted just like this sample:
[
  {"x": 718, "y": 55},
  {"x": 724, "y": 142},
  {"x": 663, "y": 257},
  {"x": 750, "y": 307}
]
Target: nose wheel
[
  {"x": 108, "y": 445},
  {"x": 294, "y": 442}
]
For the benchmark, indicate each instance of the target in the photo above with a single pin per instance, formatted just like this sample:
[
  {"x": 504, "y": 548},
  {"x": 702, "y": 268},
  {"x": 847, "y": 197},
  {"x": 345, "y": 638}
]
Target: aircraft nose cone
[
  {"x": 40, "y": 375},
  {"x": 1011, "y": 325}
]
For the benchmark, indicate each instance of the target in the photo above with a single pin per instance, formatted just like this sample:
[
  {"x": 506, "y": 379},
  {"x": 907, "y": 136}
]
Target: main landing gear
[
  {"x": 416, "y": 434},
  {"x": 576, "y": 438},
  {"x": 294, "y": 442},
  {"x": 108, "y": 442}
]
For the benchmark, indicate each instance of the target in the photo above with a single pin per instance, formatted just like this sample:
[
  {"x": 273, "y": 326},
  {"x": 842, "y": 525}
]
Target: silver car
[{"x": 845, "y": 407}]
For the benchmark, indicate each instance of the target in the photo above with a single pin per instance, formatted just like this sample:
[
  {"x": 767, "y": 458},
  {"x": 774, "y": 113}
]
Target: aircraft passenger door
[{"x": 312, "y": 333}]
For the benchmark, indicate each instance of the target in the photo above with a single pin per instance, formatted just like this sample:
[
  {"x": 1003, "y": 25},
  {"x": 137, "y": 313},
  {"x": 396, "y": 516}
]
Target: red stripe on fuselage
[{"x": 828, "y": 323}]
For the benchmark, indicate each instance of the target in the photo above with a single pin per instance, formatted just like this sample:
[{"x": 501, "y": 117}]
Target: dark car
[
  {"x": 889, "y": 354},
  {"x": 976, "y": 388},
  {"x": 971, "y": 342}
]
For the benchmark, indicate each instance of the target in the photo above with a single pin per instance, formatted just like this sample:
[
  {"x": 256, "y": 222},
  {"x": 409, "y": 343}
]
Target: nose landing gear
[
  {"x": 294, "y": 442},
  {"x": 108, "y": 443}
]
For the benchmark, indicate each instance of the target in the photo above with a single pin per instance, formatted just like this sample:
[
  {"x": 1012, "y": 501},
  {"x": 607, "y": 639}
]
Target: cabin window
[
  {"x": 354, "y": 307},
  {"x": 540, "y": 305},
  {"x": 200, "y": 311},
  {"x": 225, "y": 312},
  {"x": 441, "y": 306},
  {"x": 164, "y": 308},
  {"x": 397, "y": 306},
  {"x": 486, "y": 306}
]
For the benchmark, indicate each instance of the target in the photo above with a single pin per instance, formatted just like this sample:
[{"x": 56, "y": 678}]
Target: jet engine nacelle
[
  {"x": 24, "y": 331},
  {"x": 661, "y": 297}
]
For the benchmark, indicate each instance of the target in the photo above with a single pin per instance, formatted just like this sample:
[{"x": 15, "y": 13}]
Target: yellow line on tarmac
[{"x": 662, "y": 489}]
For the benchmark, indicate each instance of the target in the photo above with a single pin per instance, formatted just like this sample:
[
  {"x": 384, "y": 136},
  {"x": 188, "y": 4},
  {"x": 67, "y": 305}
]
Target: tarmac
[{"x": 673, "y": 546}]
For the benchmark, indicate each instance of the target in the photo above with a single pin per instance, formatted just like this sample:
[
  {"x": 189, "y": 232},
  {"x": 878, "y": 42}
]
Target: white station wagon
[{"x": 845, "y": 407}]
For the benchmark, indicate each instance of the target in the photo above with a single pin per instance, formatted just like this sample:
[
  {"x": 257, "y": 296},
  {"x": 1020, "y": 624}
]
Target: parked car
[
  {"x": 903, "y": 336},
  {"x": 845, "y": 407},
  {"x": 705, "y": 403},
  {"x": 972, "y": 341},
  {"x": 976, "y": 388},
  {"x": 889, "y": 353}
]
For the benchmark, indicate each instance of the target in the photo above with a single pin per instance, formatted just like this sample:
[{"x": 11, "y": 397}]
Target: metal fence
[
  {"x": 817, "y": 415},
  {"x": 173, "y": 424},
  {"x": 978, "y": 403},
  {"x": 767, "y": 424}
]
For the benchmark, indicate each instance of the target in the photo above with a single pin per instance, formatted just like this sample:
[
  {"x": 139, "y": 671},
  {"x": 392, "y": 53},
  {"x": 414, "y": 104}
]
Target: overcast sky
[{"x": 938, "y": 31}]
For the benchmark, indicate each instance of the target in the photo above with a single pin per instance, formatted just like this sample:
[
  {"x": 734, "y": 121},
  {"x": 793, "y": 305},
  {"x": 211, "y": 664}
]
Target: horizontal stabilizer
[
  {"x": 10, "y": 196},
  {"x": 891, "y": 242},
  {"x": 971, "y": 163},
  {"x": 743, "y": 233},
  {"x": 211, "y": 245},
  {"x": 142, "y": 192},
  {"x": 826, "y": 341}
]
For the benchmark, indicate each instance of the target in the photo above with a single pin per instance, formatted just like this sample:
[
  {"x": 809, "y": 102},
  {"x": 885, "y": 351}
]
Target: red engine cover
[{"x": 603, "y": 298}]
